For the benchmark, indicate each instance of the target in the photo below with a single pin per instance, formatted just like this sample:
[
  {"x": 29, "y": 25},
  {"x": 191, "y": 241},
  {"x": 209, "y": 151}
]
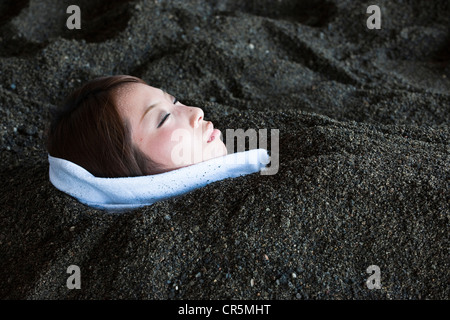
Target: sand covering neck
[{"x": 119, "y": 194}]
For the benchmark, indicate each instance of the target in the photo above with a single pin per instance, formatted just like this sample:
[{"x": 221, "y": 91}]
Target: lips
[{"x": 211, "y": 133}]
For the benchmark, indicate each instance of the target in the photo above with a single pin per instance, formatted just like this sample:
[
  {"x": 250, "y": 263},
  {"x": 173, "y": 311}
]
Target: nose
[{"x": 196, "y": 116}]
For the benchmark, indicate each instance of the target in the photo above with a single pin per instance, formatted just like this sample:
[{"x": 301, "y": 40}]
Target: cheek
[
  {"x": 157, "y": 147},
  {"x": 178, "y": 147}
]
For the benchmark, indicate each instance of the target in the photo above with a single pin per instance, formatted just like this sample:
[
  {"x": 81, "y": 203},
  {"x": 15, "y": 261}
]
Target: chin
[{"x": 215, "y": 150}]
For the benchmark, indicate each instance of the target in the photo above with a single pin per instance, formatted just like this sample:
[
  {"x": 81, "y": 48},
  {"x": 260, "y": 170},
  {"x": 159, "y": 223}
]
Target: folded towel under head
[{"x": 121, "y": 194}]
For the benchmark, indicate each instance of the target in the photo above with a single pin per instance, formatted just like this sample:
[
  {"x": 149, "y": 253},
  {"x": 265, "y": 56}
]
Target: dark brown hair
[{"x": 89, "y": 131}]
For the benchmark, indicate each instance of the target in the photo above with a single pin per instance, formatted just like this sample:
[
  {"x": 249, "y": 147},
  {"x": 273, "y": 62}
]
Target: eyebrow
[{"x": 147, "y": 110}]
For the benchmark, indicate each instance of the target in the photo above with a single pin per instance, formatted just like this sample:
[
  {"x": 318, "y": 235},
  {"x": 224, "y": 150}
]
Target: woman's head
[{"x": 119, "y": 126}]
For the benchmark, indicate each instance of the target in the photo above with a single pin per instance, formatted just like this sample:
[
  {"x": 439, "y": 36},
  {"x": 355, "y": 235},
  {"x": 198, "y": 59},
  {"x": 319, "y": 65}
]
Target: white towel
[{"x": 120, "y": 194}]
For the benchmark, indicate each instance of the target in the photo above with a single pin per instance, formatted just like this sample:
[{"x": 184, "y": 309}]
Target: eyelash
[{"x": 167, "y": 115}]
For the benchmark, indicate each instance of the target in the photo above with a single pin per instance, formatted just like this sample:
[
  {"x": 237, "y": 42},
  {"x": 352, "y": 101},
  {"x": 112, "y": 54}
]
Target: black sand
[{"x": 364, "y": 150}]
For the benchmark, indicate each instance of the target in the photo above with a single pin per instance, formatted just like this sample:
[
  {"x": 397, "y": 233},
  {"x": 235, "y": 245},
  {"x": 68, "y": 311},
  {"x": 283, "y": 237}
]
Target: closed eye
[
  {"x": 163, "y": 120},
  {"x": 175, "y": 100}
]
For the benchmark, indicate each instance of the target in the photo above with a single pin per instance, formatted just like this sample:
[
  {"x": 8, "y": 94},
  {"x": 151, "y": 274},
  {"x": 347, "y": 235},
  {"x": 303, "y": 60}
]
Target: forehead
[
  {"x": 133, "y": 98},
  {"x": 131, "y": 93}
]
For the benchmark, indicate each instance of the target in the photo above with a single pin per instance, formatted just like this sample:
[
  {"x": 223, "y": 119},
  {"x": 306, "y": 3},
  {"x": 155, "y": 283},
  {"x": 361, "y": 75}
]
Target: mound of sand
[{"x": 364, "y": 154}]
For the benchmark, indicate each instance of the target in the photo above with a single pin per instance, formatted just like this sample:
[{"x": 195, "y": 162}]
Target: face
[{"x": 167, "y": 131}]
